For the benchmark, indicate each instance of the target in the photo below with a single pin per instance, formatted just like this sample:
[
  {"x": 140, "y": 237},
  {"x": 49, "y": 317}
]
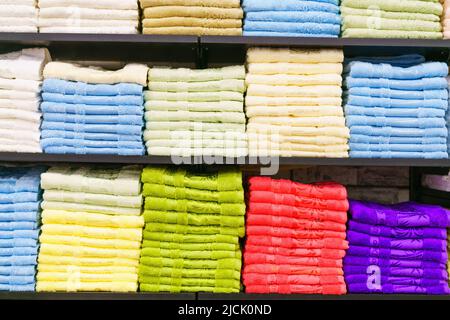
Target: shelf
[
  {"x": 94, "y": 296},
  {"x": 42, "y": 158},
  {"x": 301, "y": 297}
]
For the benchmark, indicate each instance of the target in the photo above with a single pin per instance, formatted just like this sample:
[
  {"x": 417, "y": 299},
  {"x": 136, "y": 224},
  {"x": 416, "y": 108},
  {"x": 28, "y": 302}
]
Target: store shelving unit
[{"x": 209, "y": 51}]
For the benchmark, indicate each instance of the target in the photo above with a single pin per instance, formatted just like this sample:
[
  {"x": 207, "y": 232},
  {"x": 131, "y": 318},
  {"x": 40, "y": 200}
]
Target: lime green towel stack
[
  {"x": 415, "y": 19},
  {"x": 193, "y": 222}
]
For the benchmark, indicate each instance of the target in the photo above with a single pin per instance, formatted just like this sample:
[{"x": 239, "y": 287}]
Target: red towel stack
[{"x": 295, "y": 237}]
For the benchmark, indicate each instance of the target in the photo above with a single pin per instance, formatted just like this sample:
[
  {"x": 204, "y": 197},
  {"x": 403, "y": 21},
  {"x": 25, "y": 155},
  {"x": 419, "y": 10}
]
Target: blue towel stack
[
  {"x": 81, "y": 118},
  {"x": 292, "y": 18},
  {"x": 19, "y": 215},
  {"x": 396, "y": 107}
]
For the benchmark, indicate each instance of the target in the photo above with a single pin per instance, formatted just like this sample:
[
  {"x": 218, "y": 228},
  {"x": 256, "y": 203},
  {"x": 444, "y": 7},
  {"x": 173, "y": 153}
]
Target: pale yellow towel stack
[
  {"x": 293, "y": 103},
  {"x": 192, "y": 17},
  {"x": 91, "y": 229}
]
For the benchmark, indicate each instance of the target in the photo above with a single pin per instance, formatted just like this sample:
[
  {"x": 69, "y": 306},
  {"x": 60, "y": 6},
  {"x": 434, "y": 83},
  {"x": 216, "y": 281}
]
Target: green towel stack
[
  {"x": 193, "y": 222},
  {"x": 409, "y": 19}
]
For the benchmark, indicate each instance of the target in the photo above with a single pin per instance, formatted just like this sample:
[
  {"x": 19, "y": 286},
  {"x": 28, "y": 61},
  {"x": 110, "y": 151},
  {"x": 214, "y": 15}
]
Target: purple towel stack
[{"x": 398, "y": 249}]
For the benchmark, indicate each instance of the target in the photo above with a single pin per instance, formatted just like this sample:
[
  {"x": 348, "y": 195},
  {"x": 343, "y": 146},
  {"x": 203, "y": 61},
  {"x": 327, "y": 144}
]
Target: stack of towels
[
  {"x": 294, "y": 101},
  {"x": 399, "y": 249},
  {"x": 193, "y": 225},
  {"x": 446, "y": 19},
  {"x": 19, "y": 219},
  {"x": 295, "y": 237},
  {"x": 91, "y": 229},
  {"x": 419, "y": 19},
  {"x": 192, "y": 17},
  {"x": 18, "y": 16},
  {"x": 396, "y": 106},
  {"x": 196, "y": 112},
  {"x": 20, "y": 87},
  {"x": 86, "y": 16},
  {"x": 292, "y": 18},
  {"x": 93, "y": 111}
]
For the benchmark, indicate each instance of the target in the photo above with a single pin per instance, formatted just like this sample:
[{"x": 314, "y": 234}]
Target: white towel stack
[
  {"x": 87, "y": 16},
  {"x": 293, "y": 103},
  {"x": 20, "y": 86},
  {"x": 18, "y": 16}
]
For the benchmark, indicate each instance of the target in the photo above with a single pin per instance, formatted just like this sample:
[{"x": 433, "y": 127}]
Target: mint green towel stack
[
  {"x": 193, "y": 222},
  {"x": 408, "y": 19},
  {"x": 196, "y": 112}
]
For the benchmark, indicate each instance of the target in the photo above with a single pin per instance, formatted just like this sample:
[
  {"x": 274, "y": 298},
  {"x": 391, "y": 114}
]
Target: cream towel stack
[
  {"x": 20, "y": 86},
  {"x": 446, "y": 19},
  {"x": 293, "y": 103},
  {"x": 91, "y": 229},
  {"x": 18, "y": 16},
  {"x": 196, "y": 112},
  {"x": 192, "y": 17},
  {"x": 86, "y": 16}
]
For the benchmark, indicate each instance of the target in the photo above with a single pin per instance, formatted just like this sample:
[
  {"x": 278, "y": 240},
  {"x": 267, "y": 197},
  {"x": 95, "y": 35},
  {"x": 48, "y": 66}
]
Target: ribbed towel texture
[
  {"x": 292, "y": 18},
  {"x": 20, "y": 86},
  {"x": 18, "y": 16},
  {"x": 19, "y": 228},
  {"x": 437, "y": 182},
  {"x": 75, "y": 16},
  {"x": 395, "y": 107},
  {"x": 418, "y": 19},
  {"x": 196, "y": 112},
  {"x": 91, "y": 229},
  {"x": 293, "y": 103},
  {"x": 192, "y": 17},
  {"x": 93, "y": 111},
  {"x": 295, "y": 237},
  {"x": 399, "y": 249},
  {"x": 193, "y": 223}
]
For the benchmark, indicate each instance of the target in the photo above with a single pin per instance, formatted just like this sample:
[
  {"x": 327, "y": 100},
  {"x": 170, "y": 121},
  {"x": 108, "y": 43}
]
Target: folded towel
[
  {"x": 90, "y": 242},
  {"x": 217, "y": 106},
  {"x": 268, "y": 55},
  {"x": 204, "y": 138},
  {"x": 79, "y": 251},
  {"x": 390, "y": 34},
  {"x": 18, "y": 225},
  {"x": 191, "y": 238},
  {"x": 398, "y": 289},
  {"x": 398, "y": 147},
  {"x": 70, "y": 12},
  {"x": 358, "y": 69},
  {"x": 86, "y": 23},
  {"x": 92, "y": 128},
  {"x": 405, "y": 122},
  {"x": 292, "y": 101},
  {"x": 361, "y": 22},
  {"x": 13, "y": 106},
  {"x": 27, "y": 64},
  {"x": 18, "y": 95},
  {"x": 200, "y": 3},
  {"x": 88, "y": 262},
  {"x": 294, "y": 16},
  {"x": 376, "y": 12},
  {"x": 123, "y": 100},
  {"x": 78, "y": 285},
  {"x": 18, "y": 260},
  {"x": 293, "y": 91},
  {"x": 194, "y": 255},
  {"x": 198, "y": 230},
  {"x": 410, "y": 281},
  {"x": 195, "y": 126},
  {"x": 191, "y": 22},
  {"x": 94, "y": 208},
  {"x": 213, "y": 117},
  {"x": 28, "y": 86},
  {"x": 109, "y": 270},
  {"x": 88, "y": 110},
  {"x": 124, "y": 181},
  {"x": 190, "y": 273},
  {"x": 409, "y": 263},
  {"x": 297, "y": 80},
  {"x": 93, "y": 119},
  {"x": 194, "y": 96},
  {"x": 230, "y": 263},
  {"x": 61, "y": 134},
  {"x": 17, "y": 271},
  {"x": 222, "y": 152},
  {"x": 100, "y": 4},
  {"x": 92, "y": 30},
  {"x": 351, "y": 110},
  {"x": 18, "y": 251},
  {"x": 89, "y": 277},
  {"x": 328, "y": 121},
  {"x": 166, "y": 11},
  {"x": 196, "y": 143},
  {"x": 296, "y": 111},
  {"x": 91, "y": 219},
  {"x": 429, "y": 7},
  {"x": 18, "y": 11},
  {"x": 398, "y": 254},
  {"x": 131, "y": 73},
  {"x": 19, "y": 207},
  {"x": 297, "y": 69},
  {"x": 92, "y": 232},
  {"x": 418, "y": 84},
  {"x": 230, "y": 284},
  {"x": 290, "y": 5},
  {"x": 85, "y": 89},
  {"x": 194, "y": 31},
  {"x": 207, "y": 86},
  {"x": 399, "y": 132},
  {"x": 398, "y": 154},
  {"x": 318, "y": 29},
  {"x": 89, "y": 150},
  {"x": 359, "y": 138},
  {"x": 19, "y": 243}
]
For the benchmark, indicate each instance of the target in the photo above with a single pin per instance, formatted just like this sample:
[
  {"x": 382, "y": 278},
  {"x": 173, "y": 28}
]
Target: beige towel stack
[
  {"x": 192, "y": 17},
  {"x": 18, "y": 16}
]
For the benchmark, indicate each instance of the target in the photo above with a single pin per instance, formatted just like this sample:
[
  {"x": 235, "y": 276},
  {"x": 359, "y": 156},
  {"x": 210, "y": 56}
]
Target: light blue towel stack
[
  {"x": 292, "y": 18},
  {"x": 81, "y": 118},
  {"x": 20, "y": 197},
  {"x": 396, "y": 107}
]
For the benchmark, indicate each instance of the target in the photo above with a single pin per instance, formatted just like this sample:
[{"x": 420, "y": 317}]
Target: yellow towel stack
[
  {"x": 293, "y": 103},
  {"x": 91, "y": 229},
  {"x": 192, "y": 17}
]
